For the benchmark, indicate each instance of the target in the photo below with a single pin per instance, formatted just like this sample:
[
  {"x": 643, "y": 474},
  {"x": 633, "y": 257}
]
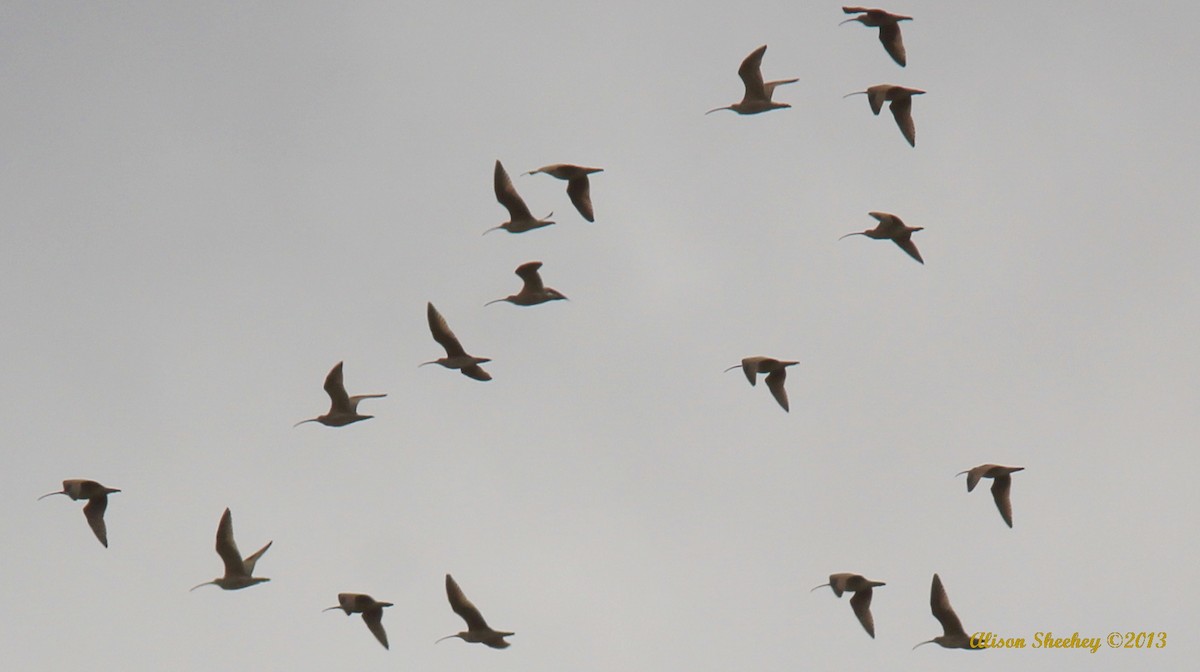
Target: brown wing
[
  {"x": 94, "y": 512},
  {"x": 1001, "y": 485},
  {"x": 373, "y": 617},
  {"x": 475, "y": 371},
  {"x": 442, "y": 334},
  {"x": 906, "y": 244},
  {"x": 529, "y": 273},
  {"x": 463, "y": 607},
  {"x": 769, "y": 87},
  {"x": 507, "y": 194},
  {"x": 578, "y": 189},
  {"x": 751, "y": 74},
  {"x": 902, "y": 110},
  {"x": 336, "y": 389},
  {"x": 750, "y": 368},
  {"x": 877, "y": 96},
  {"x": 974, "y": 475},
  {"x": 889, "y": 35},
  {"x": 889, "y": 224},
  {"x": 227, "y": 547},
  {"x": 939, "y": 603},
  {"x": 775, "y": 381},
  {"x": 861, "y": 604},
  {"x": 251, "y": 561},
  {"x": 837, "y": 582}
]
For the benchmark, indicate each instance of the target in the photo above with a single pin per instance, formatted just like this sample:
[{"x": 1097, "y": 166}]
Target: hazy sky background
[{"x": 205, "y": 206}]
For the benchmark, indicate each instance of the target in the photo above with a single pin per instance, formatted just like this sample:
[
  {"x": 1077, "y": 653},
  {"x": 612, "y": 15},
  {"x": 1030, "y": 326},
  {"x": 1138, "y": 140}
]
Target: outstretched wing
[
  {"x": 861, "y": 604},
  {"x": 775, "y": 380},
  {"x": 373, "y": 617},
  {"x": 529, "y": 273},
  {"x": 902, "y": 110},
  {"x": 251, "y": 561},
  {"x": 751, "y": 74},
  {"x": 475, "y": 371},
  {"x": 336, "y": 389},
  {"x": 939, "y": 603},
  {"x": 507, "y": 194},
  {"x": 579, "y": 189},
  {"x": 441, "y": 331},
  {"x": 906, "y": 244},
  {"x": 1001, "y": 486},
  {"x": 463, "y": 607},
  {"x": 889, "y": 35},
  {"x": 94, "y": 512},
  {"x": 227, "y": 547}
]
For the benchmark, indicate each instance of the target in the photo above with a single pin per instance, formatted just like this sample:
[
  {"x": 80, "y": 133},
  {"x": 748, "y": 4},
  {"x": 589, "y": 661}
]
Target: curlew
[
  {"x": 889, "y": 29},
  {"x": 343, "y": 409},
  {"x": 372, "y": 612},
  {"x": 578, "y": 187},
  {"x": 238, "y": 570},
  {"x": 953, "y": 636},
  {"x": 901, "y": 107},
  {"x": 892, "y": 228},
  {"x": 776, "y": 371},
  {"x": 97, "y": 496},
  {"x": 478, "y": 630},
  {"x": 533, "y": 292},
  {"x": 1001, "y": 485},
  {"x": 456, "y": 357},
  {"x": 758, "y": 93},
  {"x": 520, "y": 219},
  {"x": 861, "y": 602}
]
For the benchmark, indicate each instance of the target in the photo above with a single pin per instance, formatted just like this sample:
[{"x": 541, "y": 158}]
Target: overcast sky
[{"x": 205, "y": 206}]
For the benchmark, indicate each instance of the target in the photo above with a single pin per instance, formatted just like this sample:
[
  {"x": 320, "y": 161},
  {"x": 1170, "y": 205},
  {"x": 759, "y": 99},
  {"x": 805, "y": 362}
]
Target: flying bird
[
  {"x": 578, "y": 187},
  {"x": 889, "y": 29},
  {"x": 372, "y": 612},
  {"x": 901, "y": 106},
  {"x": 533, "y": 292},
  {"x": 238, "y": 570},
  {"x": 953, "y": 636},
  {"x": 1001, "y": 485},
  {"x": 97, "y": 496},
  {"x": 478, "y": 630},
  {"x": 343, "y": 409},
  {"x": 892, "y": 228},
  {"x": 776, "y": 371},
  {"x": 861, "y": 602},
  {"x": 520, "y": 219},
  {"x": 456, "y": 357},
  {"x": 758, "y": 93}
]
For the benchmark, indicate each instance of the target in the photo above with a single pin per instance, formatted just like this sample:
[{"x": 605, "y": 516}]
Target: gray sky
[{"x": 205, "y": 207}]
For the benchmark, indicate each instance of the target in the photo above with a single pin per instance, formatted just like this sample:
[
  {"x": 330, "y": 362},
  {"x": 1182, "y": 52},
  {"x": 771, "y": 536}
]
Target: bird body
[
  {"x": 578, "y": 186},
  {"x": 478, "y": 631},
  {"x": 343, "y": 409},
  {"x": 901, "y": 107},
  {"x": 892, "y": 228},
  {"x": 1001, "y": 485},
  {"x": 456, "y": 357},
  {"x": 533, "y": 292},
  {"x": 371, "y": 610},
  {"x": 97, "y": 496},
  {"x": 238, "y": 570},
  {"x": 889, "y": 29},
  {"x": 757, "y": 97},
  {"x": 520, "y": 219},
  {"x": 776, "y": 371},
  {"x": 861, "y": 602},
  {"x": 953, "y": 635}
]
